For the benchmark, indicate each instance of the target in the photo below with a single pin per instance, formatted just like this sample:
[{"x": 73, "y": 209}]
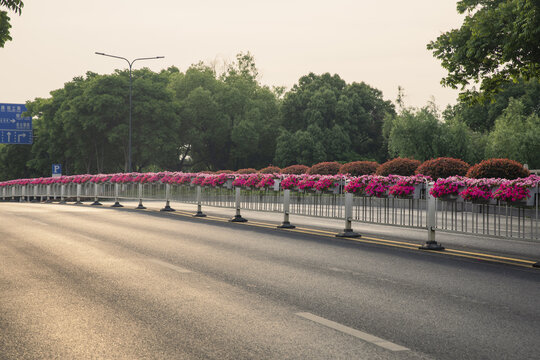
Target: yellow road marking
[{"x": 373, "y": 240}]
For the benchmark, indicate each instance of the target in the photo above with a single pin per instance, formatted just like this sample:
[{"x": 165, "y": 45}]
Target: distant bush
[
  {"x": 246, "y": 171},
  {"x": 224, "y": 172},
  {"x": 357, "y": 168},
  {"x": 398, "y": 166},
  {"x": 498, "y": 168},
  {"x": 325, "y": 168},
  {"x": 270, "y": 170},
  {"x": 295, "y": 170},
  {"x": 443, "y": 167}
]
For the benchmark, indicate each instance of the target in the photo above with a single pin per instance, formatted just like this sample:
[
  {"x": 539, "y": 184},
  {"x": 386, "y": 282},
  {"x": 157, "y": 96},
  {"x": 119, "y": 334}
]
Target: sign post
[{"x": 56, "y": 170}]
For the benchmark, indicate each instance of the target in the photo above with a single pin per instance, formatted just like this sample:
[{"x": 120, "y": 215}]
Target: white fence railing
[{"x": 493, "y": 219}]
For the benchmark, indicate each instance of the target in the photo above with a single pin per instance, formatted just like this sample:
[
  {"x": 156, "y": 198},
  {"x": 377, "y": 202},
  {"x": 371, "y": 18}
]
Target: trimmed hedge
[
  {"x": 246, "y": 171},
  {"x": 270, "y": 170},
  {"x": 225, "y": 172},
  {"x": 325, "y": 168},
  {"x": 398, "y": 166},
  {"x": 498, "y": 168},
  {"x": 443, "y": 167},
  {"x": 295, "y": 170},
  {"x": 357, "y": 168}
]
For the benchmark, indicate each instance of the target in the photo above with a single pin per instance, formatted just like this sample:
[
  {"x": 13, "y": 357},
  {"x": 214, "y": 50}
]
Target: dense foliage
[
  {"x": 398, "y": 166},
  {"x": 326, "y": 119},
  {"x": 325, "y": 168},
  {"x": 443, "y": 167},
  {"x": 295, "y": 169},
  {"x": 498, "y": 42},
  {"x": 498, "y": 168},
  {"x": 357, "y": 168},
  {"x": 11, "y": 5},
  {"x": 270, "y": 170}
]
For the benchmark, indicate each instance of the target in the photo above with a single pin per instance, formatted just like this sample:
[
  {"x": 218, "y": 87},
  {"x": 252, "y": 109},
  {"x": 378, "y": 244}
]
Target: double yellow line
[{"x": 373, "y": 240}]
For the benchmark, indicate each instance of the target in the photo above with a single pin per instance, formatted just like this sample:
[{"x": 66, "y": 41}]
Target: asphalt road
[{"x": 81, "y": 282}]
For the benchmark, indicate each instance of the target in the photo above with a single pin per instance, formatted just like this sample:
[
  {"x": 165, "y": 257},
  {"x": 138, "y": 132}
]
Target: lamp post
[{"x": 130, "y": 63}]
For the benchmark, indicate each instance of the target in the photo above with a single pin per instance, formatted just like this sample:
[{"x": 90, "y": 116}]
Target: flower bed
[{"x": 519, "y": 192}]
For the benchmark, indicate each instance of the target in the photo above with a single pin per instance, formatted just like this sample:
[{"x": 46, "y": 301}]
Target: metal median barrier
[{"x": 422, "y": 211}]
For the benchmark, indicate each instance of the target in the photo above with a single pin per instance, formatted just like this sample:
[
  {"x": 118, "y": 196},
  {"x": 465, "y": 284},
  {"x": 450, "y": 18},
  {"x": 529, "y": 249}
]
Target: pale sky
[{"x": 382, "y": 43}]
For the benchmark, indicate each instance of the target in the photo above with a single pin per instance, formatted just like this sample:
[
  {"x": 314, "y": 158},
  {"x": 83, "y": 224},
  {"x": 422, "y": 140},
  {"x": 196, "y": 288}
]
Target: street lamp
[{"x": 130, "y": 82}]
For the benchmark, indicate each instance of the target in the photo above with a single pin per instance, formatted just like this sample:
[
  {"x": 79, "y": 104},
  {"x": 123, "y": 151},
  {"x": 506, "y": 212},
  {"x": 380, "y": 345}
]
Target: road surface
[{"x": 84, "y": 282}]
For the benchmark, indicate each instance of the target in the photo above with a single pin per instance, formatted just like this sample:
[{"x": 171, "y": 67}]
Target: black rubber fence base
[
  {"x": 167, "y": 208},
  {"x": 348, "y": 233},
  {"x": 432, "y": 245},
  {"x": 117, "y": 204},
  {"x": 286, "y": 225},
  {"x": 199, "y": 214},
  {"x": 238, "y": 218}
]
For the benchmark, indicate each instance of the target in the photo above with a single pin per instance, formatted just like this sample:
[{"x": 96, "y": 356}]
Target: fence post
[
  {"x": 199, "y": 212},
  {"x": 140, "y": 206},
  {"x": 237, "y": 217},
  {"x": 96, "y": 192},
  {"x": 348, "y": 231},
  {"x": 286, "y": 206},
  {"x": 79, "y": 187},
  {"x": 3, "y": 193},
  {"x": 167, "y": 197},
  {"x": 48, "y": 201},
  {"x": 431, "y": 202},
  {"x": 23, "y": 193},
  {"x": 116, "y": 202},
  {"x": 62, "y": 193},
  {"x": 35, "y": 194}
]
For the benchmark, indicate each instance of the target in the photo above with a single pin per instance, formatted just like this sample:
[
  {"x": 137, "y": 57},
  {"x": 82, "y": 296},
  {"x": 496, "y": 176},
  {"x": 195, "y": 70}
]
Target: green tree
[
  {"x": 13, "y": 159},
  {"x": 498, "y": 42},
  {"x": 228, "y": 120},
  {"x": 356, "y": 111},
  {"x": 516, "y": 135},
  {"x": 480, "y": 116},
  {"x": 12, "y": 5},
  {"x": 84, "y": 125}
]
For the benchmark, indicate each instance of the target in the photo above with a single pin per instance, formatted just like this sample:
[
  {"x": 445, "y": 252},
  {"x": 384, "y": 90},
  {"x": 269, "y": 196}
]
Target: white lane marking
[
  {"x": 356, "y": 333},
  {"x": 39, "y": 222},
  {"x": 170, "y": 266}
]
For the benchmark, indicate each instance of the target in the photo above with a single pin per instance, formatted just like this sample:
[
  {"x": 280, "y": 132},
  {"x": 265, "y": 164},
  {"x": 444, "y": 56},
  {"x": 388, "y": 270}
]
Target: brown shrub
[
  {"x": 498, "y": 168},
  {"x": 443, "y": 167},
  {"x": 295, "y": 169},
  {"x": 398, "y": 166},
  {"x": 357, "y": 168}
]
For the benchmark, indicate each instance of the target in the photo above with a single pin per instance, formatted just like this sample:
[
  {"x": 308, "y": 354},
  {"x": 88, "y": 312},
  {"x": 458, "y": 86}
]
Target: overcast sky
[{"x": 382, "y": 43}]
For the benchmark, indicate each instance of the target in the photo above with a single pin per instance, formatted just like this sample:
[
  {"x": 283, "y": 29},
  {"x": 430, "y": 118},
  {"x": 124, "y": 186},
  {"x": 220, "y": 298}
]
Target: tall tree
[
  {"x": 498, "y": 42},
  {"x": 12, "y": 5},
  {"x": 229, "y": 120},
  {"x": 349, "y": 114},
  {"x": 516, "y": 136}
]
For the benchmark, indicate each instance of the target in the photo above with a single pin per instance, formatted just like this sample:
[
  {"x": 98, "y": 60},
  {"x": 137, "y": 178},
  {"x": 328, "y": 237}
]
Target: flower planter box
[
  {"x": 484, "y": 201},
  {"x": 228, "y": 184},
  {"x": 451, "y": 198},
  {"x": 416, "y": 194},
  {"x": 528, "y": 201}
]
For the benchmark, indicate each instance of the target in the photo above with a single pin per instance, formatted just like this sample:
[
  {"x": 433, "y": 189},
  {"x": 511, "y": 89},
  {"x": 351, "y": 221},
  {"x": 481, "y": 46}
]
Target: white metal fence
[{"x": 493, "y": 219}]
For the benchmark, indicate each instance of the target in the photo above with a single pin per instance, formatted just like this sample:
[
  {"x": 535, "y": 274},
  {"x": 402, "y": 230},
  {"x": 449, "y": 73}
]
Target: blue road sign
[
  {"x": 11, "y": 117},
  {"x": 15, "y": 137},
  {"x": 56, "y": 170}
]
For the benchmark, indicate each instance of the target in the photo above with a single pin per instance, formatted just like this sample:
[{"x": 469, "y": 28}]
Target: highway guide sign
[{"x": 15, "y": 128}]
